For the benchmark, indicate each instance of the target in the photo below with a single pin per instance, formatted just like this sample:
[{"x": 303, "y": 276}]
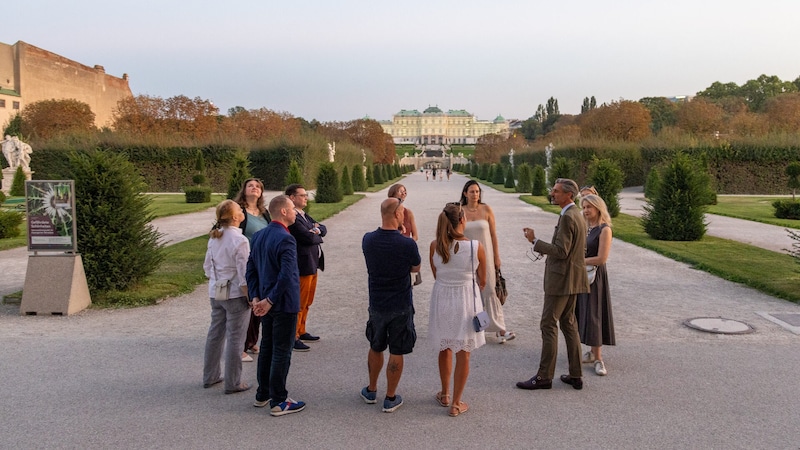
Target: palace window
[
  {"x": 15, "y": 105},
  {"x": 2, "y": 103}
]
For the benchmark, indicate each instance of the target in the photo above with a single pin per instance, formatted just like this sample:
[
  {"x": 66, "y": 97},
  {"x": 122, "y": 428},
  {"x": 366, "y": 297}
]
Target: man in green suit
[{"x": 564, "y": 278}]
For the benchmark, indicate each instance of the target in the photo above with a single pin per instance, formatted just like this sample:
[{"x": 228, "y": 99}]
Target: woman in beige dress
[{"x": 481, "y": 227}]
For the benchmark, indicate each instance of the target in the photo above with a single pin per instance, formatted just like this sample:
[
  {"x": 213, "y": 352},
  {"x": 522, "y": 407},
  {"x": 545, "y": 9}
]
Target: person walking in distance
[
  {"x": 564, "y": 278},
  {"x": 273, "y": 284},
  {"x": 308, "y": 234},
  {"x": 390, "y": 258}
]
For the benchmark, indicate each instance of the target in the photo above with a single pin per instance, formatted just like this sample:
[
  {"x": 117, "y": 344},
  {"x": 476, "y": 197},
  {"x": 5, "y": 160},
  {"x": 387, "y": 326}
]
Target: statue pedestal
[
  {"x": 55, "y": 285},
  {"x": 8, "y": 178}
]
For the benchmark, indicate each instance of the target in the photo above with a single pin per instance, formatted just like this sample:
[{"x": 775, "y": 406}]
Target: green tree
[
  {"x": 662, "y": 112},
  {"x": 562, "y": 168},
  {"x": 719, "y": 90},
  {"x": 378, "y": 174},
  {"x": 498, "y": 175},
  {"x": 18, "y": 183},
  {"x": 294, "y": 175},
  {"x": 14, "y": 127},
  {"x": 606, "y": 176},
  {"x": 9, "y": 223},
  {"x": 347, "y": 185},
  {"x": 539, "y": 181},
  {"x": 652, "y": 183},
  {"x": 115, "y": 237},
  {"x": 757, "y": 92},
  {"x": 239, "y": 173},
  {"x": 510, "y": 182},
  {"x": 525, "y": 178},
  {"x": 328, "y": 188},
  {"x": 677, "y": 213},
  {"x": 793, "y": 172},
  {"x": 199, "y": 177},
  {"x": 369, "y": 178},
  {"x": 359, "y": 182}
]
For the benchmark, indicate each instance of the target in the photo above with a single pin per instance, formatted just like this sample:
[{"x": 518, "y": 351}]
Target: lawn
[
  {"x": 164, "y": 205},
  {"x": 757, "y": 209},
  {"x": 773, "y": 273}
]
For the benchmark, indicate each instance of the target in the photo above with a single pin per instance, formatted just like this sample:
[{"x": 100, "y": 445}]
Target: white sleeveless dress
[
  {"x": 479, "y": 229},
  {"x": 452, "y": 299}
]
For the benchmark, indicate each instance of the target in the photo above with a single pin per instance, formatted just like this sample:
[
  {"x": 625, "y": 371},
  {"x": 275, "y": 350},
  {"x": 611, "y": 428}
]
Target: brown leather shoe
[
  {"x": 576, "y": 383},
  {"x": 534, "y": 383}
]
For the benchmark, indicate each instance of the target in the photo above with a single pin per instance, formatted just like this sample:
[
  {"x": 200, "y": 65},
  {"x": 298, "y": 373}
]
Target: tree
[
  {"x": 498, "y": 174},
  {"x": 783, "y": 112},
  {"x": 757, "y": 92},
  {"x": 262, "y": 123},
  {"x": 347, "y": 186},
  {"x": 359, "y": 182},
  {"x": 14, "y": 127},
  {"x": 699, "y": 116},
  {"x": 662, "y": 112},
  {"x": 48, "y": 118},
  {"x": 179, "y": 115},
  {"x": 525, "y": 178},
  {"x": 378, "y": 174},
  {"x": 588, "y": 104},
  {"x": 624, "y": 120},
  {"x": 793, "y": 172},
  {"x": 561, "y": 168},
  {"x": 719, "y": 90},
  {"x": 489, "y": 148},
  {"x": 606, "y": 176},
  {"x": 18, "y": 183},
  {"x": 677, "y": 212},
  {"x": 328, "y": 188},
  {"x": 370, "y": 179},
  {"x": 118, "y": 244},
  {"x": 510, "y": 182},
  {"x": 239, "y": 173},
  {"x": 539, "y": 181},
  {"x": 294, "y": 175}
]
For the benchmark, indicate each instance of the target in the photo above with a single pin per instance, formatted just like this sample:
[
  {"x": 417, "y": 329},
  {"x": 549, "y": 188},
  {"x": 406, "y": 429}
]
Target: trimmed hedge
[
  {"x": 9, "y": 223},
  {"x": 787, "y": 209},
  {"x": 197, "y": 194}
]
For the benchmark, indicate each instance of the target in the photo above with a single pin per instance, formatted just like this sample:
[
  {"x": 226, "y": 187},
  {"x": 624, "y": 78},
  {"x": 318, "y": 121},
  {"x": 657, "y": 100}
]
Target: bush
[
  {"x": 561, "y": 169},
  {"x": 18, "y": 183},
  {"x": 498, "y": 174},
  {"x": 359, "y": 182},
  {"x": 474, "y": 170},
  {"x": 652, "y": 183},
  {"x": 607, "y": 177},
  {"x": 677, "y": 212},
  {"x": 793, "y": 173},
  {"x": 2, "y": 197},
  {"x": 9, "y": 223},
  {"x": 525, "y": 178},
  {"x": 347, "y": 186},
  {"x": 538, "y": 181},
  {"x": 239, "y": 173},
  {"x": 118, "y": 244},
  {"x": 328, "y": 188},
  {"x": 378, "y": 175},
  {"x": 294, "y": 175},
  {"x": 510, "y": 178},
  {"x": 484, "y": 172},
  {"x": 197, "y": 194},
  {"x": 787, "y": 209},
  {"x": 369, "y": 177},
  {"x": 199, "y": 178}
]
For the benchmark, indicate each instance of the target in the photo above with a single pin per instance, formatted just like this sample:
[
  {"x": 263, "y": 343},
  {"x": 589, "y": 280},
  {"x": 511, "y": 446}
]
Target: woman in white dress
[
  {"x": 480, "y": 226},
  {"x": 454, "y": 262}
]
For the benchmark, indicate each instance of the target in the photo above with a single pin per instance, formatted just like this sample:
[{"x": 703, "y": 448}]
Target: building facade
[
  {"x": 434, "y": 126},
  {"x": 29, "y": 74}
]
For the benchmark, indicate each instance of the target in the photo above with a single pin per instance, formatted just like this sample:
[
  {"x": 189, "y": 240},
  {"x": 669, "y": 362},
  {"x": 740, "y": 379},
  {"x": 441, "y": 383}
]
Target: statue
[
  {"x": 17, "y": 153},
  {"x": 548, "y": 151},
  {"x": 331, "y": 151},
  {"x": 363, "y": 157},
  {"x": 511, "y": 157}
]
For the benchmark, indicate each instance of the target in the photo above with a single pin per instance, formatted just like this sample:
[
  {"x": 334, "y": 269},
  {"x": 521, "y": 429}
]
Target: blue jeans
[{"x": 275, "y": 356}]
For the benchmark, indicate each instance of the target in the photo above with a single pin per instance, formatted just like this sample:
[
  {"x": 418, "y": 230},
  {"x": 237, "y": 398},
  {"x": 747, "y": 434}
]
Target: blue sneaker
[
  {"x": 287, "y": 407},
  {"x": 391, "y": 405},
  {"x": 369, "y": 397}
]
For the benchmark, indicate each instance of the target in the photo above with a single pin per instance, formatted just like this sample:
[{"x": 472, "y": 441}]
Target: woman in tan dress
[{"x": 481, "y": 226}]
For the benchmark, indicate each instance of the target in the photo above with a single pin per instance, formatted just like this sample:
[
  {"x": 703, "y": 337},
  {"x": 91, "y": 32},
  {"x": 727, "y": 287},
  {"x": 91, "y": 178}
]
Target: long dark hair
[
  {"x": 241, "y": 197},
  {"x": 446, "y": 229},
  {"x": 466, "y": 188}
]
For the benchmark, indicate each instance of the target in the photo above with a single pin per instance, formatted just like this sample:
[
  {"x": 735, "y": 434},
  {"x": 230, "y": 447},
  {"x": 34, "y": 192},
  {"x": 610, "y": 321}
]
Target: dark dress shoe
[
  {"x": 534, "y": 383},
  {"x": 576, "y": 383},
  {"x": 308, "y": 337}
]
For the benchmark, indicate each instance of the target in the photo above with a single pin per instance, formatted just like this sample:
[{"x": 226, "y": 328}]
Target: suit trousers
[
  {"x": 559, "y": 309},
  {"x": 308, "y": 287},
  {"x": 228, "y": 326},
  {"x": 275, "y": 355}
]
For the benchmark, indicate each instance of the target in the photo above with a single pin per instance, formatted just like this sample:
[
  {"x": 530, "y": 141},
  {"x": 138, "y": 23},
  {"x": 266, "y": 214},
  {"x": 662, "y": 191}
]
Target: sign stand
[{"x": 55, "y": 285}]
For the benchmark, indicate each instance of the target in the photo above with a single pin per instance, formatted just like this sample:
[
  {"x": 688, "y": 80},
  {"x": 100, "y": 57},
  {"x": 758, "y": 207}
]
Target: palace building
[
  {"x": 434, "y": 126},
  {"x": 29, "y": 74}
]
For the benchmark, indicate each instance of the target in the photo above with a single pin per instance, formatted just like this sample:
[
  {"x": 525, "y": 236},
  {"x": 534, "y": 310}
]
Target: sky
[{"x": 348, "y": 59}]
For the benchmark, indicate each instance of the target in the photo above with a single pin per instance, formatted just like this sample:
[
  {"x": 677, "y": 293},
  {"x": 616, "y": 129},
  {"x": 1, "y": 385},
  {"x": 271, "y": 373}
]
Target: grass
[
  {"x": 165, "y": 205},
  {"x": 182, "y": 269},
  {"x": 757, "y": 209},
  {"x": 773, "y": 273}
]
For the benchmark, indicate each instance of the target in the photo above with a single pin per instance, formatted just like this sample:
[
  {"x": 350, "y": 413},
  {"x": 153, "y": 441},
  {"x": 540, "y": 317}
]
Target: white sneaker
[
  {"x": 509, "y": 336},
  {"x": 600, "y": 368},
  {"x": 247, "y": 358},
  {"x": 588, "y": 358}
]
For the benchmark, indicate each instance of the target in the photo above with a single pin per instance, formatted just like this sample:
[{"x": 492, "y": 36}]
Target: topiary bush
[
  {"x": 294, "y": 175},
  {"x": 510, "y": 183},
  {"x": 2, "y": 197},
  {"x": 793, "y": 173},
  {"x": 524, "y": 178},
  {"x": 652, "y": 183},
  {"x": 370, "y": 178},
  {"x": 359, "y": 182},
  {"x": 474, "y": 170},
  {"x": 18, "y": 183},
  {"x": 118, "y": 244},
  {"x": 197, "y": 194},
  {"x": 378, "y": 175},
  {"x": 199, "y": 178},
  {"x": 538, "y": 181},
  {"x": 328, "y": 188},
  {"x": 347, "y": 186},
  {"x": 485, "y": 172},
  {"x": 239, "y": 173},
  {"x": 677, "y": 213},
  {"x": 562, "y": 168},
  {"x": 498, "y": 174},
  {"x": 9, "y": 223},
  {"x": 606, "y": 176},
  {"x": 787, "y": 209}
]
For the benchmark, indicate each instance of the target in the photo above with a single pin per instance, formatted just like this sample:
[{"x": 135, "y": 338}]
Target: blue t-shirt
[{"x": 390, "y": 257}]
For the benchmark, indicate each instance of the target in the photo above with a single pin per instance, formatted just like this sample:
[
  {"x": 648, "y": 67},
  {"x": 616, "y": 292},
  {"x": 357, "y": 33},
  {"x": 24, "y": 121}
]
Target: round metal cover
[{"x": 719, "y": 325}]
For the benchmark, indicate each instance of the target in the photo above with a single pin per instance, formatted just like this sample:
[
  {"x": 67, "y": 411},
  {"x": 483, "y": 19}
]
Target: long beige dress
[{"x": 479, "y": 230}]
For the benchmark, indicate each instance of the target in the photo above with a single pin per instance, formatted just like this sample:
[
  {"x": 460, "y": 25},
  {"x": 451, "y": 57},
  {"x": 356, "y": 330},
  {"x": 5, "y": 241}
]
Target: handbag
[
  {"x": 481, "y": 319},
  {"x": 221, "y": 287},
  {"x": 591, "y": 273},
  {"x": 500, "y": 287}
]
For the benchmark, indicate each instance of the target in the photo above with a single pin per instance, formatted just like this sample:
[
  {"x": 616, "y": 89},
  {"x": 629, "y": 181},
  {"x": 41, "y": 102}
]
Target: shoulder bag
[
  {"x": 221, "y": 287},
  {"x": 481, "y": 319},
  {"x": 500, "y": 287}
]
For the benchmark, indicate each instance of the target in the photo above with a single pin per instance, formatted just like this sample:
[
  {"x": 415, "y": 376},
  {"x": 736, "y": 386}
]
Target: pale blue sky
[{"x": 342, "y": 60}]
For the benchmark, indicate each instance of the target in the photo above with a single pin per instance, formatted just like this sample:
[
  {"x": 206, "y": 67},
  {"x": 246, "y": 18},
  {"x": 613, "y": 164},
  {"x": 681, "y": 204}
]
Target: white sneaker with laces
[
  {"x": 588, "y": 358},
  {"x": 600, "y": 368}
]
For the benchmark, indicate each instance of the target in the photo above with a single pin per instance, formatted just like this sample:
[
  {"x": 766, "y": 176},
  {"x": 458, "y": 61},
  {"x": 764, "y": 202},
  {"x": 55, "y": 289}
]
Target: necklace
[{"x": 475, "y": 209}]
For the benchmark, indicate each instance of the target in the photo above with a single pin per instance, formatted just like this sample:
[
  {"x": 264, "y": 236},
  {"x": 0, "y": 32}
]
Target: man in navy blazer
[
  {"x": 308, "y": 234},
  {"x": 273, "y": 284}
]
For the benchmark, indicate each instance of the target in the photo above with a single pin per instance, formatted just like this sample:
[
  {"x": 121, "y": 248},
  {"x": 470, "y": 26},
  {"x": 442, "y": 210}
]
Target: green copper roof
[{"x": 432, "y": 110}]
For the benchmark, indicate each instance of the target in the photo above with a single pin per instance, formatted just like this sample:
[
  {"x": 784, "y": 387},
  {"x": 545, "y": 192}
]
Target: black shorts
[{"x": 392, "y": 329}]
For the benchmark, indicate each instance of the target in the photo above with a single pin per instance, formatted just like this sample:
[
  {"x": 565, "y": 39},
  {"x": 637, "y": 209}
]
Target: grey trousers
[{"x": 229, "y": 319}]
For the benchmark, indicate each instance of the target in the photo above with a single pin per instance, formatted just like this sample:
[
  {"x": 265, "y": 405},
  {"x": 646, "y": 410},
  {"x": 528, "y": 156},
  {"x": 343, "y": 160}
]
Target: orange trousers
[{"x": 308, "y": 287}]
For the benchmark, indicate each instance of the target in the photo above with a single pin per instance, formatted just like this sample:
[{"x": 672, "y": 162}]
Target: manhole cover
[{"x": 718, "y": 325}]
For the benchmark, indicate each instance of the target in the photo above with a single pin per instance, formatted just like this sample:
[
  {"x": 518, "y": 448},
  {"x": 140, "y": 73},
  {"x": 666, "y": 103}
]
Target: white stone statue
[
  {"x": 331, "y": 151},
  {"x": 511, "y": 157},
  {"x": 363, "y": 157},
  {"x": 17, "y": 153}
]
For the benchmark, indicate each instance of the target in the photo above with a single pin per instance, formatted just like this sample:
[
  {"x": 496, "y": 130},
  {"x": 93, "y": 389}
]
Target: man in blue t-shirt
[{"x": 390, "y": 258}]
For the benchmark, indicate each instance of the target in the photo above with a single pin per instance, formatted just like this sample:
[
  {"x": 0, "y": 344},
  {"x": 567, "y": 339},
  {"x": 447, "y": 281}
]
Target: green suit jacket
[{"x": 565, "y": 270}]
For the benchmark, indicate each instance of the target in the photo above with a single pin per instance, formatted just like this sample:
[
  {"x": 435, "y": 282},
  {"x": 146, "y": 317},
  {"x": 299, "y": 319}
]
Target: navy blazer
[
  {"x": 309, "y": 252},
  {"x": 272, "y": 268}
]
